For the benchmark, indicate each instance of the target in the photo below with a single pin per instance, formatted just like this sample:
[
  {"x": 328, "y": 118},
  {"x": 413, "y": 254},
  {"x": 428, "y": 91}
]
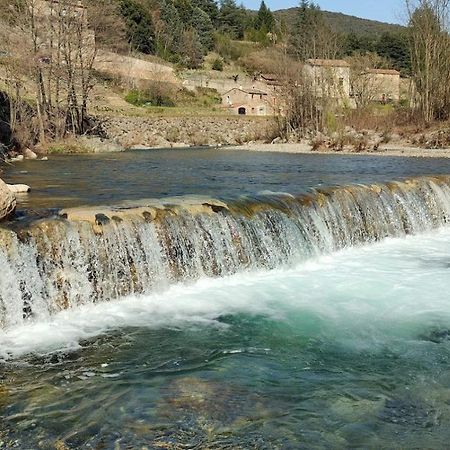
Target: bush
[
  {"x": 153, "y": 96},
  {"x": 231, "y": 50},
  {"x": 217, "y": 65}
]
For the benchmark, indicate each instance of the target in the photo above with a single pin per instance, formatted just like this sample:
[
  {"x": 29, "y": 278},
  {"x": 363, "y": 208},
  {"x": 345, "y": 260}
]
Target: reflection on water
[{"x": 105, "y": 179}]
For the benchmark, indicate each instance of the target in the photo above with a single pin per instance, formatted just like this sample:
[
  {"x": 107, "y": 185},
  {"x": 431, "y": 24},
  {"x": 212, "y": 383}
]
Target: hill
[{"x": 343, "y": 23}]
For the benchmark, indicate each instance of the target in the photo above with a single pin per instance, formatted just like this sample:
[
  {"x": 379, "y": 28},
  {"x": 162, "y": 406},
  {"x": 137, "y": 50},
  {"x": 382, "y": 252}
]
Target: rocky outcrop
[
  {"x": 143, "y": 132},
  {"x": 7, "y": 201},
  {"x": 94, "y": 144}
]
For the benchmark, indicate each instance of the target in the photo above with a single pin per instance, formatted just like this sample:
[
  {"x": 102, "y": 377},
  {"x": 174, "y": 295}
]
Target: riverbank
[{"x": 388, "y": 150}]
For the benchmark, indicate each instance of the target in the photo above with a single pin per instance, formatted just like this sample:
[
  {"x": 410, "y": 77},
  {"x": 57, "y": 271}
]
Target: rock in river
[
  {"x": 7, "y": 200},
  {"x": 19, "y": 188}
]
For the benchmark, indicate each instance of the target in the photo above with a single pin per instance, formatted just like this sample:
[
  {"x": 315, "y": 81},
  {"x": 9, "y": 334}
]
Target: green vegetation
[
  {"x": 158, "y": 97},
  {"x": 139, "y": 26},
  {"x": 185, "y": 31},
  {"x": 343, "y": 24},
  {"x": 148, "y": 97},
  {"x": 217, "y": 65}
]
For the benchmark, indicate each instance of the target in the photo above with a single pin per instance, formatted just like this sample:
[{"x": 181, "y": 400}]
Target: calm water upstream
[
  {"x": 349, "y": 349},
  {"x": 106, "y": 179}
]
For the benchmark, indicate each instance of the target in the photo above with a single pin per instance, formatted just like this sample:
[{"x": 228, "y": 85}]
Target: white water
[
  {"x": 367, "y": 297},
  {"x": 61, "y": 264}
]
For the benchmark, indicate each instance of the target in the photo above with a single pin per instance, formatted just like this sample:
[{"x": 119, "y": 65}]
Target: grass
[{"x": 66, "y": 146}]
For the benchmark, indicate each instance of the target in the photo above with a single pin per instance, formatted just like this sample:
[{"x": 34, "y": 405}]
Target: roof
[
  {"x": 269, "y": 76},
  {"x": 384, "y": 71},
  {"x": 328, "y": 62},
  {"x": 72, "y": 4},
  {"x": 247, "y": 91}
]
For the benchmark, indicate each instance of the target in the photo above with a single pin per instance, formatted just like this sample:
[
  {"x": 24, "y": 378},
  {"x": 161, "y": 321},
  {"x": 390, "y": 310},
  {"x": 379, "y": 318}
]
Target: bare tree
[
  {"x": 364, "y": 86},
  {"x": 57, "y": 53},
  {"x": 430, "y": 54}
]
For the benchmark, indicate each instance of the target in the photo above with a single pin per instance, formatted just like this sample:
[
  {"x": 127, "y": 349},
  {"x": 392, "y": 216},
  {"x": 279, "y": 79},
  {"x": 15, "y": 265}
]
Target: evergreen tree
[
  {"x": 395, "y": 47},
  {"x": 209, "y": 7},
  {"x": 140, "y": 33},
  {"x": 264, "y": 20},
  {"x": 358, "y": 44},
  {"x": 170, "y": 38},
  {"x": 202, "y": 24},
  {"x": 312, "y": 37},
  {"x": 231, "y": 18},
  {"x": 185, "y": 10}
]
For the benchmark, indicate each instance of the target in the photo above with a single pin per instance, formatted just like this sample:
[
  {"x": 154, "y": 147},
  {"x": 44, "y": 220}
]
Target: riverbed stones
[
  {"x": 94, "y": 144},
  {"x": 173, "y": 132},
  {"x": 7, "y": 201}
]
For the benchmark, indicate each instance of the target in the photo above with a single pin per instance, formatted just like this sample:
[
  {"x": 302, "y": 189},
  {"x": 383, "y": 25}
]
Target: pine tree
[
  {"x": 170, "y": 37},
  {"x": 202, "y": 24},
  {"x": 264, "y": 20},
  {"x": 395, "y": 47},
  {"x": 140, "y": 32},
  {"x": 209, "y": 7},
  {"x": 312, "y": 37},
  {"x": 231, "y": 19},
  {"x": 185, "y": 10}
]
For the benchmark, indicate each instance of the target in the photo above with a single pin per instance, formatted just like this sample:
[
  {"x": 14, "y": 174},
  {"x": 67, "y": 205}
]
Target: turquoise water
[
  {"x": 346, "y": 350},
  {"x": 349, "y": 350}
]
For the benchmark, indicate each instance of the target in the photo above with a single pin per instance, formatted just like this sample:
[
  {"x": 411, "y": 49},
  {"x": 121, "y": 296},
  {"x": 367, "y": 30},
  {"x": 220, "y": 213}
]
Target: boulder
[
  {"x": 19, "y": 188},
  {"x": 95, "y": 144},
  {"x": 29, "y": 154},
  {"x": 7, "y": 201}
]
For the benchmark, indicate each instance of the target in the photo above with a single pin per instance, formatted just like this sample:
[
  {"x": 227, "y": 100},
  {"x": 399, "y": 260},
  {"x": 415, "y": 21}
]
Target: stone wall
[{"x": 141, "y": 132}]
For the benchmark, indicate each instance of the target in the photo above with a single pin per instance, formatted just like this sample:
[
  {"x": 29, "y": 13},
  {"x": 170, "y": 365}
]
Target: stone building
[
  {"x": 48, "y": 8},
  {"x": 386, "y": 85},
  {"x": 330, "y": 78},
  {"x": 252, "y": 102}
]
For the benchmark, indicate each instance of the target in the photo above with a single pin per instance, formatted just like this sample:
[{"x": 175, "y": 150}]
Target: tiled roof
[
  {"x": 248, "y": 91},
  {"x": 384, "y": 71},
  {"x": 328, "y": 62}
]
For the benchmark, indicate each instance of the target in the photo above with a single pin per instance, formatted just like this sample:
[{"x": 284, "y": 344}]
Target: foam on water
[{"x": 368, "y": 297}]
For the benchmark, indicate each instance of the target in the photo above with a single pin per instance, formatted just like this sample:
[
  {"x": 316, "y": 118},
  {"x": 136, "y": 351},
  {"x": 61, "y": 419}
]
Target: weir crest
[{"x": 88, "y": 255}]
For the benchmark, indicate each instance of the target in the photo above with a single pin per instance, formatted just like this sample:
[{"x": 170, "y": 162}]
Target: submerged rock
[
  {"x": 436, "y": 336},
  {"x": 409, "y": 412}
]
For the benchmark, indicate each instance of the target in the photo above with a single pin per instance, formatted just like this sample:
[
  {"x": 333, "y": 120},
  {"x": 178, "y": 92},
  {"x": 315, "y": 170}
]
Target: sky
[{"x": 383, "y": 10}]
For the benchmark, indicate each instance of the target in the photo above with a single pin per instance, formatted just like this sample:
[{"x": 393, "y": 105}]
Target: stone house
[
  {"x": 330, "y": 78},
  {"x": 252, "y": 102},
  {"x": 47, "y": 8},
  {"x": 386, "y": 85}
]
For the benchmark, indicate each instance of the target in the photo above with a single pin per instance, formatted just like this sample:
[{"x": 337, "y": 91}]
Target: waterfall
[{"x": 88, "y": 255}]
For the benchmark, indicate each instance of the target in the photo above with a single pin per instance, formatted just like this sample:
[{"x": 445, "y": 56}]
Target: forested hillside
[
  {"x": 343, "y": 23},
  {"x": 184, "y": 31}
]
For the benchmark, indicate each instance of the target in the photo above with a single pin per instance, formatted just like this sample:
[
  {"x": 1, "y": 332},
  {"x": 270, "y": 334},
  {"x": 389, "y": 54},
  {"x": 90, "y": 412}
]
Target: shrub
[
  {"x": 217, "y": 65},
  {"x": 152, "y": 96}
]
